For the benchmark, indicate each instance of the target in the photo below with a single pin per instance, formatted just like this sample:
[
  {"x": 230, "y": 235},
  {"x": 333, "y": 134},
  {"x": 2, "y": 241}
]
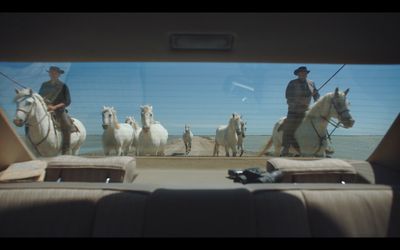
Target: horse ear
[
  {"x": 336, "y": 92},
  {"x": 17, "y": 91},
  {"x": 346, "y": 92},
  {"x": 30, "y": 91},
  {"x": 233, "y": 114}
]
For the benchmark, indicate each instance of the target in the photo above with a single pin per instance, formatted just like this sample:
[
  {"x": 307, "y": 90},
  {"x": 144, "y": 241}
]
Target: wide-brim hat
[
  {"x": 301, "y": 69},
  {"x": 54, "y": 68}
]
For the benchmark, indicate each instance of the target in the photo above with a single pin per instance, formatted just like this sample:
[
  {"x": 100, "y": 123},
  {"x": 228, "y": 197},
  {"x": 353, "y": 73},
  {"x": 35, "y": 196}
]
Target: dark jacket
[
  {"x": 299, "y": 93},
  {"x": 55, "y": 93}
]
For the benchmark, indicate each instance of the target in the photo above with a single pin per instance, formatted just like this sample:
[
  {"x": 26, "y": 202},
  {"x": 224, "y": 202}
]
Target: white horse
[
  {"x": 153, "y": 136},
  {"x": 241, "y": 137},
  {"x": 227, "y": 136},
  {"x": 187, "y": 139},
  {"x": 311, "y": 133},
  {"x": 45, "y": 138},
  {"x": 116, "y": 136},
  {"x": 136, "y": 130}
]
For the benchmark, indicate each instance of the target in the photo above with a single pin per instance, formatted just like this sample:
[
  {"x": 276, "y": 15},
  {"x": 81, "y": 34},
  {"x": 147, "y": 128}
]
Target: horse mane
[
  {"x": 146, "y": 108},
  {"x": 116, "y": 123},
  {"x": 315, "y": 109},
  {"x": 233, "y": 118},
  {"x": 40, "y": 98},
  {"x": 19, "y": 96}
]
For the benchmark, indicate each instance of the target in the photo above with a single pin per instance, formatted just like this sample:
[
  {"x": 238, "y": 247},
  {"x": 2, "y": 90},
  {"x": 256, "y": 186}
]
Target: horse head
[
  {"x": 25, "y": 102},
  {"x": 234, "y": 122},
  {"x": 243, "y": 127},
  {"x": 187, "y": 128},
  {"x": 341, "y": 108},
  {"x": 108, "y": 116},
  {"x": 146, "y": 113},
  {"x": 130, "y": 120}
]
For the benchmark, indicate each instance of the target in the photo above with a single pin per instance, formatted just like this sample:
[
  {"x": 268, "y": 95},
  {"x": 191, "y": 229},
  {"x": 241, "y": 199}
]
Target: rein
[
  {"x": 35, "y": 145},
  {"x": 330, "y": 121},
  {"x": 321, "y": 138}
]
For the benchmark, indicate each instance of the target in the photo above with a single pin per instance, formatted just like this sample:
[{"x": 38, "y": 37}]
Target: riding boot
[
  {"x": 285, "y": 143},
  {"x": 66, "y": 141},
  {"x": 66, "y": 125}
]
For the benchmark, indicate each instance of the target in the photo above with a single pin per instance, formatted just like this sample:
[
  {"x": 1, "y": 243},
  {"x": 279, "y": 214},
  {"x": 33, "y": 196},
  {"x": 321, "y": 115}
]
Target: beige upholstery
[
  {"x": 200, "y": 213},
  {"x": 24, "y": 171},
  {"x": 318, "y": 171},
  {"x": 358, "y": 213},
  {"x": 264, "y": 210},
  {"x": 70, "y": 213},
  {"x": 281, "y": 214},
  {"x": 76, "y": 168}
]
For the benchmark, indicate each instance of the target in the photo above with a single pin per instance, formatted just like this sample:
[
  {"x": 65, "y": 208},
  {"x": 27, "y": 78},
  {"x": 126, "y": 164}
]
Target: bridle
[
  {"x": 27, "y": 113},
  {"x": 334, "y": 124}
]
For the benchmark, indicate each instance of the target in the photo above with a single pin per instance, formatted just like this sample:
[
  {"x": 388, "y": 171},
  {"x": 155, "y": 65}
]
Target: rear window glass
[{"x": 204, "y": 96}]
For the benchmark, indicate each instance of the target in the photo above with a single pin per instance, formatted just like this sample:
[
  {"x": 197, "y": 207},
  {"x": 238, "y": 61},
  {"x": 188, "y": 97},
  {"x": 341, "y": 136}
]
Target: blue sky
[{"x": 204, "y": 95}]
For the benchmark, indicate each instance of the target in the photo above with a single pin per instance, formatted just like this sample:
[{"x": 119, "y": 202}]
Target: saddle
[{"x": 57, "y": 123}]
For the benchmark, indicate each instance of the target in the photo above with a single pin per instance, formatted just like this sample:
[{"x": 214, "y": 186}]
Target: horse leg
[
  {"x": 127, "y": 150},
  {"x": 226, "y": 151},
  {"x": 215, "y": 149},
  {"x": 160, "y": 151},
  {"x": 137, "y": 151},
  {"x": 234, "y": 151},
  {"x": 106, "y": 151},
  {"x": 75, "y": 150},
  {"x": 119, "y": 151}
]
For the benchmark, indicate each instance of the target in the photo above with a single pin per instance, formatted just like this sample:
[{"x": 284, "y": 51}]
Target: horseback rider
[
  {"x": 298, "y": 95},
  {"x": 57, "y": 97}
]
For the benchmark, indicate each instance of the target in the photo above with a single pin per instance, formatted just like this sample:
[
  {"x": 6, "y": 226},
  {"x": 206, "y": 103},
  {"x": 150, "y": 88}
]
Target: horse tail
[{"x": 268, "y": 146}]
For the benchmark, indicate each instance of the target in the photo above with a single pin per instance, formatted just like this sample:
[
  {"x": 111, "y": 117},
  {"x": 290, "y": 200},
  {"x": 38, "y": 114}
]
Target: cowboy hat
[
  {"x": 301, "y": 69},
  {"x": 54, "y": 68}
]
